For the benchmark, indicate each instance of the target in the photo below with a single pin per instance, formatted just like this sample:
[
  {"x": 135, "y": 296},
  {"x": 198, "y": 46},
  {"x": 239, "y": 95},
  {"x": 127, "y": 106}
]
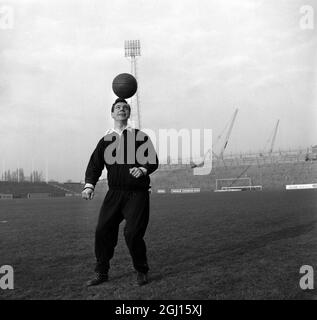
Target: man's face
[{"x": 121, "y": 111}]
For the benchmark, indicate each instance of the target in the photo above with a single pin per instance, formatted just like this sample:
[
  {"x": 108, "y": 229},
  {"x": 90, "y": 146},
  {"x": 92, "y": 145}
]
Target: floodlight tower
[{"x": 132, "y": 49}]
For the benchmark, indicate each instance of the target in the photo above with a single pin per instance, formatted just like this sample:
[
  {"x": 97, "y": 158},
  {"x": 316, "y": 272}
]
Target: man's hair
[{"x": 120, "y": 100}]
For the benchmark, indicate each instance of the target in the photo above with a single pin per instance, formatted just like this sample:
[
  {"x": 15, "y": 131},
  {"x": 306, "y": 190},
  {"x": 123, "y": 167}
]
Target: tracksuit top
[{"x": 119, "y": 153}]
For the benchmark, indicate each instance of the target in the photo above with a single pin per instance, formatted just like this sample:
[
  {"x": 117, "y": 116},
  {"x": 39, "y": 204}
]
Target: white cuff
[{"x": 89, "y": 185}]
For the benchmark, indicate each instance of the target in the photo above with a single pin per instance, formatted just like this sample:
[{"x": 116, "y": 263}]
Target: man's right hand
[{"x": 87, "y": 194}]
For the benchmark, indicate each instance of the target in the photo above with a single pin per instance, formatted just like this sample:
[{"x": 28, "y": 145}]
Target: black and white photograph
[{"x": 155, "y": 150}]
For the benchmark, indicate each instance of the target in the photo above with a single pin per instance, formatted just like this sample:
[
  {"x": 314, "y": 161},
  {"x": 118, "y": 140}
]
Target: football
[{"x": 124, "y": 85}]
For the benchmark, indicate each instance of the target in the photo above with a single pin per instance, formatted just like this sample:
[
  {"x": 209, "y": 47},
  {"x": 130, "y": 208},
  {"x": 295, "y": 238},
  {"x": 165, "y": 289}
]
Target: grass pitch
[{"x": 237, "y": 245}]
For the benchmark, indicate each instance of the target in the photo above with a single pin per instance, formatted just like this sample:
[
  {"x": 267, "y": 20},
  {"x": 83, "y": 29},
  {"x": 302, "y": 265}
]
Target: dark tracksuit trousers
[
  {"x": 127, "y": 198},
  {"x": 133, "y": 206}
]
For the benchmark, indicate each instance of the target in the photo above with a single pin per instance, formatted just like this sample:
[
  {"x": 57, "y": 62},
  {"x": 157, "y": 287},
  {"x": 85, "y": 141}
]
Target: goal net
[{"x": 235, "y": 184}]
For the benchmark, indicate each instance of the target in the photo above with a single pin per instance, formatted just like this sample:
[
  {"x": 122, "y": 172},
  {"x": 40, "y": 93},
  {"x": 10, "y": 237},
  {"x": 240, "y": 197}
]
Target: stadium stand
[
  {"x": 74, "y": 187},
  {"x": 23, "y": 189},
  {"x": 270, "y": 176},
  {"x": 271, "y": 173},
  {"x": 70, "y": 188}
]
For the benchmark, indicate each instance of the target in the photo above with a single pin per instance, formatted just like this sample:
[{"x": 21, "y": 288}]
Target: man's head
[{"x": 120, "y": 110}]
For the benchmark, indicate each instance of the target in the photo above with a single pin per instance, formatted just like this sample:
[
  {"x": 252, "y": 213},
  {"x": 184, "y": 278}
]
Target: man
[{"x": 130, "y": 158}]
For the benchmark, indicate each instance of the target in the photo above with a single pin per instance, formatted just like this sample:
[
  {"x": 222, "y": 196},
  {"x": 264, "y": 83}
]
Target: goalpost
[{"x": 236, "y": 184}]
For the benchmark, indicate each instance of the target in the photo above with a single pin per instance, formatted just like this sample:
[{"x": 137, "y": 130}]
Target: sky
[{"x": 200, "y": 60}]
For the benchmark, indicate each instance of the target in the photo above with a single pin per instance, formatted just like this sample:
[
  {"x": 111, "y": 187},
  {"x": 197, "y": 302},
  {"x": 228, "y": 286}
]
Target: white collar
[{"x": 111, "y": 130}]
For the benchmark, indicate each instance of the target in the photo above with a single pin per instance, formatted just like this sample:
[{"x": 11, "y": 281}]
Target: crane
[
  {"x": 228, "y": 133},
  {"x": 274, "y": 136},
  {"x": 210, "y": 152}
]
